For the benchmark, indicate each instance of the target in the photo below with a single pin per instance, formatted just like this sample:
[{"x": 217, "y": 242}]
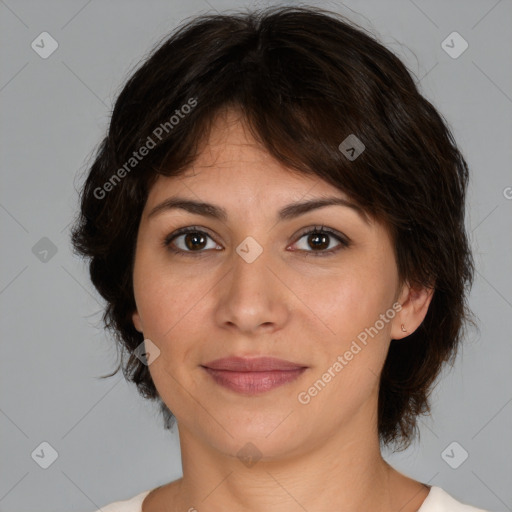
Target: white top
[{"x": 437, "y": 500}]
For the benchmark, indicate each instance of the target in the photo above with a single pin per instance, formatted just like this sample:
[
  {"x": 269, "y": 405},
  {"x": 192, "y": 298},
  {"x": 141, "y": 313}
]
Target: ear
[
  {"x": 415, "y": 302},
  {"x": 137, "y": 323}
]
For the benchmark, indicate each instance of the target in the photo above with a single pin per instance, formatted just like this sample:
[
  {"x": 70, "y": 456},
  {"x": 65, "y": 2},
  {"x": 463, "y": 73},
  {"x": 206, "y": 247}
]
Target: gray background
[{"x": 110, "y": 442}]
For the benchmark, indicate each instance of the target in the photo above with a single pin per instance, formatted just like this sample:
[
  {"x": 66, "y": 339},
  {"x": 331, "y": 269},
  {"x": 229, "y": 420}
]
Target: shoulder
[
  {"x": 438, "y": 500},
  {"x": 130, "y": 505}
]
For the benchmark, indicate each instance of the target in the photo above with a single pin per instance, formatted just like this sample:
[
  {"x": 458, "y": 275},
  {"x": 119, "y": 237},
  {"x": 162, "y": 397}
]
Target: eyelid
[{"x": 323, "y": 229}]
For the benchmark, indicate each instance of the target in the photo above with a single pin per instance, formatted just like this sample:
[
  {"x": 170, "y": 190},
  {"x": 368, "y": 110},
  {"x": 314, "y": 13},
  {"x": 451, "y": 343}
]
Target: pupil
[
  {"x": 316, "y": 237},
  {"x": 192, "y": 238}
]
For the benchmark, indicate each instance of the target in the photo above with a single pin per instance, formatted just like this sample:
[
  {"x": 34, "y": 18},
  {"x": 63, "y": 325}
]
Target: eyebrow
[{"x": 288, "y": 212}]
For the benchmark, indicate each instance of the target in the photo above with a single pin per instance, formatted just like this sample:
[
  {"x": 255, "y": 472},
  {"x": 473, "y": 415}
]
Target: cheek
[
  {"x": 171, "y": 307},
  {"x": 163, "y": 298},
  {"x": 355, "y": 348},
  {"x": 351, "y": 306},
  {"x": 350, "y": 302}
]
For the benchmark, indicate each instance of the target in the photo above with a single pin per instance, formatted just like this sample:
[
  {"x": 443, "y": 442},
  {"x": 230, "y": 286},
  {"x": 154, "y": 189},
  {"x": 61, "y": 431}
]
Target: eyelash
[{"x": 344, "y": 241}]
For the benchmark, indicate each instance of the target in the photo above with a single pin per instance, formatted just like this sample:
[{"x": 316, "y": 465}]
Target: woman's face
[{"x": 258, "y": 284}]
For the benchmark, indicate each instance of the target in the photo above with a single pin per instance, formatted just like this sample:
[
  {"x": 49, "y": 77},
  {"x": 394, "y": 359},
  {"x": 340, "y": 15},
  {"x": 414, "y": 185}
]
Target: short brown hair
[{"x": 305, "y": 79}]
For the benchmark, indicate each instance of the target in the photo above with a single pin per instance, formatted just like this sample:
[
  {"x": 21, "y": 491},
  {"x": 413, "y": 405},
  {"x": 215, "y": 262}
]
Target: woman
[{"x": 276, "y": 222}]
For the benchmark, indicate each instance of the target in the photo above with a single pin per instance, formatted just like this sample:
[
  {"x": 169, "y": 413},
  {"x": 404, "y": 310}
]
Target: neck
[{"x": 342, "y": 472}]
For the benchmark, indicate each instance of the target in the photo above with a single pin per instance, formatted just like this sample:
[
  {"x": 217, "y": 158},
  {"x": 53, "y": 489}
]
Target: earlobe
[
  {"x": 415, "y": 303},
  {"x": 136, "y": 321}
]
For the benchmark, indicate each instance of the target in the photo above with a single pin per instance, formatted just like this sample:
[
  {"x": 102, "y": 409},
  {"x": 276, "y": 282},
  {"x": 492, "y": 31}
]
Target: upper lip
[{"x": 255, "y": 364}]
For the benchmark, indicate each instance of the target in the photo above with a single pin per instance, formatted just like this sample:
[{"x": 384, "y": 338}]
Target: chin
[
  {"x": 250, "y": 450},
  {"x": 264, "y": 436}
]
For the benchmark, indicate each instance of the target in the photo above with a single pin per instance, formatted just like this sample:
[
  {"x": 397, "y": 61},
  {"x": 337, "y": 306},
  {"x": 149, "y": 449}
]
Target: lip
[
  {"x": 251, "y": 376},
  {"x": 253, "y": 364}
]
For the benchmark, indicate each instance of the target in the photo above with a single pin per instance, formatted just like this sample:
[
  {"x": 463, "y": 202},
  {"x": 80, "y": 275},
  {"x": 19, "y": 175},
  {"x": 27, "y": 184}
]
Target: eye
[
  {"x": 193, "y": 241},
  {"x": 320, "y": 238}
]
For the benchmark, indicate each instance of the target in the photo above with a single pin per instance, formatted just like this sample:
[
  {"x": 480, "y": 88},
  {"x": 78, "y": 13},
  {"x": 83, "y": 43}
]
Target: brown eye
[
  {"x": 321, "y": 240},
  {"x": 188, "y": 240},
  {"x": 194, "y": 241}
]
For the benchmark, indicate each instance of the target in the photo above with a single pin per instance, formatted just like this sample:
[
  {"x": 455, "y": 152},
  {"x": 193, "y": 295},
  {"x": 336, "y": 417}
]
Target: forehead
[{"x": 232, "y": 161}]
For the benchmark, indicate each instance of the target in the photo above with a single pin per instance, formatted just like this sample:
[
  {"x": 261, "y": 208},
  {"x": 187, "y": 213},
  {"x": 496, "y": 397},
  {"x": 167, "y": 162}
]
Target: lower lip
[{"x": 253, "y": 383}]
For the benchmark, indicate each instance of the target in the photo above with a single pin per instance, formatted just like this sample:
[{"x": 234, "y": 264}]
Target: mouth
[{"x": 253, "y": 376}]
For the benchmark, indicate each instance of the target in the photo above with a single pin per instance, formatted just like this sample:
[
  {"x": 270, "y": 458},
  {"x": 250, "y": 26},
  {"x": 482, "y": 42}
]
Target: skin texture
[{"x": 289, "y": 304}]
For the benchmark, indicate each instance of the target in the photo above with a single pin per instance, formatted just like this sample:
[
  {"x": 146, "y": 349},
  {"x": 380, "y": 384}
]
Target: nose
[{"x": 252, "y": 298}]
